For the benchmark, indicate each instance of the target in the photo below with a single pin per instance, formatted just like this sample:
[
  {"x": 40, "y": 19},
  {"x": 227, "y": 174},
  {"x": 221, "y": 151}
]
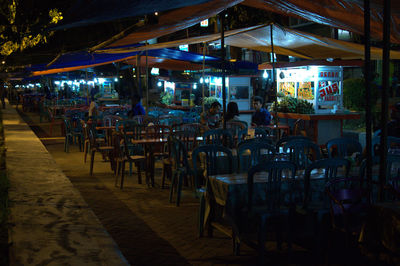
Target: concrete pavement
[{"x": 50, "y": 221}]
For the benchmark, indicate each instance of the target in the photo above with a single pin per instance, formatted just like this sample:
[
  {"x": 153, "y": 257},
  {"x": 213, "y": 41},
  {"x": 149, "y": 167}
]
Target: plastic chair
[
  {"x": 218, "y": 136},
  {"x": 133, "y": 131},
  {"x": 349, "y": 206},
  {"x": 96, "y": 147},
  {"x": 259, "y": 150},
  {"x": 181, "y": 167},
  {"x": 272, "y": 205},
  {"x": 392, "y": 176},
  {"x": 393, "y": 145},
  {"x": 110, "y": 120},
  {"x": 343, "y": 147},
  {"x": 238, "y": 130},
  {"x": 123, "y": 155},
  {"x": 302, "y": 152},
  {"x": 211, "y": 167},
  {"x": 315, "y": 201},
  {"x": 72, "y": 135},
  {"x": 281, "y": 142}
]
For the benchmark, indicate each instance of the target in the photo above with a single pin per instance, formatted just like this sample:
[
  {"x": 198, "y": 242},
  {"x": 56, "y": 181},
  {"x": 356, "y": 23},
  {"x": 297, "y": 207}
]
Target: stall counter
[{"x": 323, "y": 126}]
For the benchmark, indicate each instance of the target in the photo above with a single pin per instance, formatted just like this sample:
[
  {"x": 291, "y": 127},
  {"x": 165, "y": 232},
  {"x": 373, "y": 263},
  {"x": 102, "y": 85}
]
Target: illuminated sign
[
  {"x": 204, "y": 23},
  {"x": 184, "y": 47},
  {"x": 327, "y": 92},
  {"x": 328, "y": 74},
  {"x": 155, "y": 71}
]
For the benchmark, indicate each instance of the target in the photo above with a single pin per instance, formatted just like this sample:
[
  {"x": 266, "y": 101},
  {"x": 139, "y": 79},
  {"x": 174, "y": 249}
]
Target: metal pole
[
  {"x": 367, "y": 78},
  {"x": 273, "y": 79},
  {"x": 222, "y": 16},
  {"x": 385, "y": 89},
  {"x": 147, "y": 80},
  {"x": 202, "y": 84}
]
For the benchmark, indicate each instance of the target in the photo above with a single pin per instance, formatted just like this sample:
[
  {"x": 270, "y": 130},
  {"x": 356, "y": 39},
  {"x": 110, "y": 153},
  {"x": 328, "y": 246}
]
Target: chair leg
[
  {"x": 130, "y": 168},
  {"x": 122, "y": 174},
  {"x": 116, "y": 172},
  {"x": 66, "y": 144},
  {"x": 139, "y": 172},
  {"x": 202, "y": 210},
  {"x": 92, "y": 161},
  {"x": 171, "y": 191},
  {"x": 261, "y": 240},
  {"x": 179, "y": 189},
  {"x": 85, "y": 150}
]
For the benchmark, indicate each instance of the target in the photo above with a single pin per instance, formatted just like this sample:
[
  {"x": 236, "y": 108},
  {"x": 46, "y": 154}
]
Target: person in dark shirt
[
  {"x": 137, "y": 107},
  {"x": 261, "y": 116}
]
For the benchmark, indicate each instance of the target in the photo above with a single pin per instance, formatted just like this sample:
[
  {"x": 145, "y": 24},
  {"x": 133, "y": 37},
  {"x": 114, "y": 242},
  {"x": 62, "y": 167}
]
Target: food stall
[{"x": 320, "y": 84}]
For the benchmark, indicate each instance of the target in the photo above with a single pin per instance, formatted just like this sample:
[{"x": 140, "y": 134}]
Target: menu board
[
  {"x": 328, "y": 91},
  {"x": 287, "y": 88},
  {"x": 305, "y": 90}
]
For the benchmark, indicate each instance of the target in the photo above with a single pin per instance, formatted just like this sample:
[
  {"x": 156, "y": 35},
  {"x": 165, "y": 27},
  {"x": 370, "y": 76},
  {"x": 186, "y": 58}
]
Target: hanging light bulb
[
  {"x": 201, "y": 80},
  {"x": 265, "y": 74}
]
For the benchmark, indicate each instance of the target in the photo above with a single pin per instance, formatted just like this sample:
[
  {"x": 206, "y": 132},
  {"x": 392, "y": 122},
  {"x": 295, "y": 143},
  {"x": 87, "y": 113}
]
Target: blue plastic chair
[
  {"x": 259, "y": 150},
  {"x": 272, "y": 205},
  {"x": 349, "y": 206},
  {"x": 212, "y": 166},
  {"x": 218, "y": 136},
  {"x": 302, "y": 152},
  {"x": 343, "y": 147},
  {"x": 181, "y": 167},
  {"x": 315, "y": 201},
  {"x": 73, "y": 134}
]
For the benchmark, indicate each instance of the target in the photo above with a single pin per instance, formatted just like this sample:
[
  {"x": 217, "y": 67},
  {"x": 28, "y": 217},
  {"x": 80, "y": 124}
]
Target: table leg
[{"x": 149, "y": 165}]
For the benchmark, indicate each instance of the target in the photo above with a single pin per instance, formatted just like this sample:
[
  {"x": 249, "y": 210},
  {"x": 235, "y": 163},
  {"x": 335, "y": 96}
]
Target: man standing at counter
[{"x": 261, "y": 117}]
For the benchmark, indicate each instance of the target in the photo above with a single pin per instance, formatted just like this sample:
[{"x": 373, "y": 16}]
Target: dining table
[
  {"x": 149, "y": 144},
  {"x": 227, "y": 196}
]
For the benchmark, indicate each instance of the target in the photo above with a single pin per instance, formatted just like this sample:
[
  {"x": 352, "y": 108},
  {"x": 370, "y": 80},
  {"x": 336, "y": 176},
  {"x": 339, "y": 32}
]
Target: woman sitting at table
[{"x": 232, "y": 112}]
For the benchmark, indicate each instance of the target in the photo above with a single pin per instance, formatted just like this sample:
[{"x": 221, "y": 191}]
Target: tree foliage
[{"x": 25, "y": 24}]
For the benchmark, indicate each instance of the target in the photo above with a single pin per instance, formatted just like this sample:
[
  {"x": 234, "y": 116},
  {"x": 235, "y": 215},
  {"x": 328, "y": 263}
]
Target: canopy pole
[
  {"x": 87, "y": 89},
  {"x": 273, "y": 80},
  {"x": 138, "y": 74},
  {"x": 385, "y": 89},
  {"x": 222, "y": 16},
  {"x": 202, "y": 87},
  {"x": 147, "y": 80},
  {"x": 367, "y": 80}
]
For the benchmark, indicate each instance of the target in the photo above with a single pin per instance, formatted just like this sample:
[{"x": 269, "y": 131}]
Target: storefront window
[{"x": 239, "y": 92}]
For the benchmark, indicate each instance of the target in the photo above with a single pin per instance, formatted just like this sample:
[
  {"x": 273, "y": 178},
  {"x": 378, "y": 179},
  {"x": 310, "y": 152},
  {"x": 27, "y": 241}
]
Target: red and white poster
[{"x": 328, "y": 93}]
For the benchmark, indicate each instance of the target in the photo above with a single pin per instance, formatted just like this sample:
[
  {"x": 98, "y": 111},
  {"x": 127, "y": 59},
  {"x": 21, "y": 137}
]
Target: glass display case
[{"x": 320, "y": 85}]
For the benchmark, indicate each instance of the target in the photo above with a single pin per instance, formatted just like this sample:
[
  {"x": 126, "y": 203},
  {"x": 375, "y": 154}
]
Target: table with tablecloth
[{"x": 231, "y": 192}]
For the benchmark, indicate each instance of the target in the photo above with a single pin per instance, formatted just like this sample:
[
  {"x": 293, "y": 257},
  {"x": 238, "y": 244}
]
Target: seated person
[
  {"x": 261, "y": 116},
  {"x": 232, "y": 112},
  {"x": 137, "y": 107},
  {"x": 93, "y": 112},
  {"x": 211, "y": 117}
]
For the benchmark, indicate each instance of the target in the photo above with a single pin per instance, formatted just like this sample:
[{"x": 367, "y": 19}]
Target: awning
[
  {"x": 286, "y": 42},
  {"x": 342, "y": 14},
  {"x": 345, "y": 63},
  {"x": 84, "y": 13},
  {"x": 173, "y": 21},
  {"x": 81, "y": 60}
]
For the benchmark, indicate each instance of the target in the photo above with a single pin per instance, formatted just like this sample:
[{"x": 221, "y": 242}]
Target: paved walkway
[{"x": 51, "y": 223}]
